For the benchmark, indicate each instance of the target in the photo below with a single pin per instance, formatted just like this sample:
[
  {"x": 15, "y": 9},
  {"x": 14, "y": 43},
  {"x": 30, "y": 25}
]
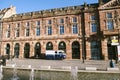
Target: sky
[{"x": 23, "y": 6}]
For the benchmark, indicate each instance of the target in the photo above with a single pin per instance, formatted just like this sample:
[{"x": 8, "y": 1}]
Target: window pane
[
  {"x": 61, "y": 20},
  {"x": 49, "y": 30},
  {"x": 61, "y": 29},
  {"x": 74, "y": 19},
  {"x": 38, "y": 23},
  {"x": 38, "y": 31},
  {"x": 109, "y": 15},
  {"x": 75, "y": 29},
  {"x": 94, "y": 27},
  {"x": 110, "y": 25},
  {"x": 93, "y": 17}
]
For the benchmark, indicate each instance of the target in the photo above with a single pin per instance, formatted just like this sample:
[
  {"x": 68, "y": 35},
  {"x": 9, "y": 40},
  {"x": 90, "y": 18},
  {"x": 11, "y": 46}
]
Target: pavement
[{"x": 100, "y": 65}]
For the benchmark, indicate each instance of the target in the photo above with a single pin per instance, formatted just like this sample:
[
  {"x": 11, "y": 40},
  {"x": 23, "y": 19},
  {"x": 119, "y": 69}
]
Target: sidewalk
[{"x": 37, "y": 63}]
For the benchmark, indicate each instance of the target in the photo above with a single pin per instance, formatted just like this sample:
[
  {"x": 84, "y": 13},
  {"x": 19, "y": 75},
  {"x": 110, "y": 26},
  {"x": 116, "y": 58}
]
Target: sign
[
  {"x": 114, "y": 41},
  {"x": 114, "y": 44},
  {"x": 118, "y": 49}
]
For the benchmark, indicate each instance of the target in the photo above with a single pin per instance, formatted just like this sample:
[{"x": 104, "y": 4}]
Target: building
[{"x": 83, "y": 32}]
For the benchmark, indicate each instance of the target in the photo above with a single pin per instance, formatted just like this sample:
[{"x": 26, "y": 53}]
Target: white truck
[{"x": 58, "y": 54}]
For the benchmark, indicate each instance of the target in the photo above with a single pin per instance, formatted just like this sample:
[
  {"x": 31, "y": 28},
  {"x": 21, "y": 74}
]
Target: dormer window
[
  {"x": 38, "y": 23},
  {"x": 49, "y": 22},
  {"x": 93, "y": 17},
  {"x": 61, "y": 20},
  {"x": 74, "y": 19},
  {"x": 27, "y": 24},
  {"x": 109, "y": 15}
]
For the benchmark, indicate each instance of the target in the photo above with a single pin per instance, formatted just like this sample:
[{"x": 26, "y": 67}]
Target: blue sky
[{"x": 36, "y": 5}]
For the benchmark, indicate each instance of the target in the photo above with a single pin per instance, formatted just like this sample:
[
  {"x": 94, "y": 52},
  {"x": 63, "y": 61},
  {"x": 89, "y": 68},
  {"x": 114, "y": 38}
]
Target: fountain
[
  {"x": 74, "y": 71},
  {"x": 14, "y": 77},
  {"x": 1, "y": 75},
  {"x": 32, "y": 75}
]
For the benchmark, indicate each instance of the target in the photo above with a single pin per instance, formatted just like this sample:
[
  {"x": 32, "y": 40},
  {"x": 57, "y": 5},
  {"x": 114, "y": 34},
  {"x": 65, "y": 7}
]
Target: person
[{"x": 112, "y": 64}]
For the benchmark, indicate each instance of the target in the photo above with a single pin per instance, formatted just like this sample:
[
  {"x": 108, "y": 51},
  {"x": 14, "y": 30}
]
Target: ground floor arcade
[{"x": 94, "y": 50}]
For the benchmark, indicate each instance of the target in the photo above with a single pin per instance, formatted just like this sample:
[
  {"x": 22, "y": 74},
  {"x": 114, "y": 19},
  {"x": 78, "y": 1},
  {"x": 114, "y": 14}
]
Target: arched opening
[
  {"x": 27, "y": 50},
  {"x": 16, "y": 50},
  {"x": 49, "y": 46},
  {"x": 8, "y": 50},
  {"x": 37, "y": 50},
  {"x": 62, "y": 46},
  {"x": 75, "y": 50}
]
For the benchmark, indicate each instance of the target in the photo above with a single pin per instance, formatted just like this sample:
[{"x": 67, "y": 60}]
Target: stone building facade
[{"x": 83, "y": 32}]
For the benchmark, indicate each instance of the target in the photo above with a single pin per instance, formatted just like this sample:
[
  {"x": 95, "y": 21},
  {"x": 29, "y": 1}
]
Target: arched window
[
  {"x": 75, "y": 50},
  {"x": 27, "y": 50},
  {"x": 49, "y": 46},
  {"x": 16, "y": 50},
  {"x": 37, "y": 50},
  {"x": 62, "y": 46}
]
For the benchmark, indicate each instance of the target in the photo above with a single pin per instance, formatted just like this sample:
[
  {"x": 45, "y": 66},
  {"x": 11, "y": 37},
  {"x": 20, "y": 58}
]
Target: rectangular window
[
  {"x": 37, "y": 31},
  {"x": 109, "y": 15},
  {"x": 61, "y": 29},
  {"x": 110, "y": 25},
  {"x": 50, "y": 30},
  {"x": 74, "y": 19},
  {"x": 75, "y": 29},
  {"x": 49, "y": 22},
  {"x": 27, "y": 24},
  {"x": 38, "y": 23},
  {"x": 94, "y": 27},
  {"x": 27, "y": 32},
  {"x": 93, "y": 17},
  {"x": 61, "y": 20}
]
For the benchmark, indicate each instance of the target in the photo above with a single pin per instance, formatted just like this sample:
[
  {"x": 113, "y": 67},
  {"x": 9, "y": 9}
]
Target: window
[
  {"x": 27, "y": 32},
  {"x": 38, "y": 23},
  {"x": 38, "y": 31},
  {"x": 61, "y": 29},
  {"x": 17, "y": 29},
  {"x": 95, "y": 50},
  {"x": 17, "y": 33},
  {"x": 109, "y": 25},
  {"x": 27, "y": 24},
  {"x": 50, "y": 30},
  {"x": 74, "y": 19},
  {"x": 8, "y": 34},
  {"x": 94, "y": 27},
  {"x": 8, "y": 31},
  {"x": 75, "y": 29},
  {"x": 93, "y": 17},
  {"x": 49, "y": 22},
  {"x": 61, "y": 20},
  {"x": 109, "y": 15}
]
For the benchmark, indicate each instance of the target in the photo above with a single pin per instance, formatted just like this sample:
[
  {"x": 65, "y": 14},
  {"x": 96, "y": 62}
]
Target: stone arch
[
  {"x": 27, "y": 50},
  {"x": 8, "y": 50},
  {"x": 75, "y": 50},
  {"x": 62, "y": 46},
  {"x": 37, "y": 50},
  {"x": 49, "y": 46},
  {"x": 16, "y": 50}
]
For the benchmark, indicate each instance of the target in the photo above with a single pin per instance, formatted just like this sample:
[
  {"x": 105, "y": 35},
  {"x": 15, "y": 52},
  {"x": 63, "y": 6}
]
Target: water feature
[
  {"x": 14, "y": 77},
  {"x": 1, "y": 75},
  {"x": 32, "y": 74},
  {"x": 74, "y": 73}
]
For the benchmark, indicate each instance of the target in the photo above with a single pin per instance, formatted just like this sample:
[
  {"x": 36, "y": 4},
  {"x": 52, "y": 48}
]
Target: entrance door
[
  {"x": 112, "y": 52},
  {"x": 27, "y": 50},
  {"x": 75, "y": 50},
  {"x": 37, "y": 50}
]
